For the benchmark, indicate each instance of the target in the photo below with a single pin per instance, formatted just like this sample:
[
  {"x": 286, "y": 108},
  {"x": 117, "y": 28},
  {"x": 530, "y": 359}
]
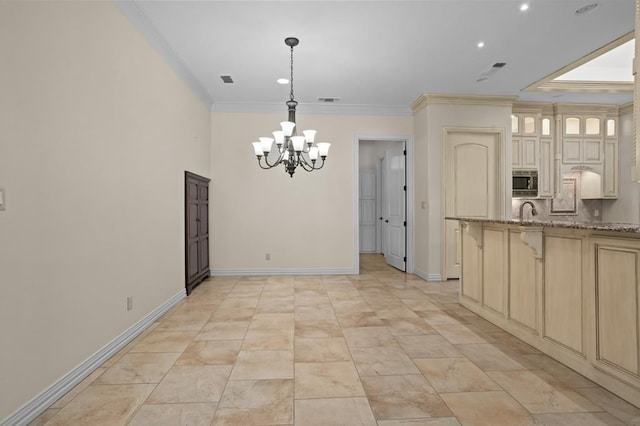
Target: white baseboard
[
  {"x": 283, "y": 271},
  {"x": 428, "y": 277},
  {"x": 32, "y": 409}
]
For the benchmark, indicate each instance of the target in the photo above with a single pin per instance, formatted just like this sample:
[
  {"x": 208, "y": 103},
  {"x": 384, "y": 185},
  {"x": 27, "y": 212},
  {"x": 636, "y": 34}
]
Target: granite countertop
[{"x": 632, "y": 228}]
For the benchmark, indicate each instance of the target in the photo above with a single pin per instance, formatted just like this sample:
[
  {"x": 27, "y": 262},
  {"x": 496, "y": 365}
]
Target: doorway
[{"x": 383, "y": 216}]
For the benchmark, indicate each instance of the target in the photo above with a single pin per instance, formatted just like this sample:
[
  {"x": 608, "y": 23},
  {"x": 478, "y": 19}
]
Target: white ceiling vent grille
[
  {"x": 484, "y": 76},
  {"x": 328, "y": 100}
]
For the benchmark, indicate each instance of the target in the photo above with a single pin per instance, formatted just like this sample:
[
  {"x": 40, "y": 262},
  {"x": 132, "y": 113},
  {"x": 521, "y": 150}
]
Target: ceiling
[{"x": 376, "y": 56}]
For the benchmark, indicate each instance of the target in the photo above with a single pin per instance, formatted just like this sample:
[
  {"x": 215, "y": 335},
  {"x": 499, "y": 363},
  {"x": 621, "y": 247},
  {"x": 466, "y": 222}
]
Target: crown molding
[
  {"x": 572, "y": 108},
  {"x": 548, "y": 84},
  {"x": 484, "y": 100},
  {"x": 321, "y": 109},
  {"x": 523, "y": 107},
  {"x": 626, "y": 109},
  {"x": 136, "y": 16},
  {"x": 586, "y": 86}
]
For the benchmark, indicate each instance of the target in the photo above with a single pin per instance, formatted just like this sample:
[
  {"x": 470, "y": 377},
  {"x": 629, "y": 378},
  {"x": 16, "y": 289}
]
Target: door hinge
[
  {"x": 404, "y": 152},
  {"x": 405, "y": 223},
  {"x": 404, "y": 259},
  {"x": 404, "y": 187}
]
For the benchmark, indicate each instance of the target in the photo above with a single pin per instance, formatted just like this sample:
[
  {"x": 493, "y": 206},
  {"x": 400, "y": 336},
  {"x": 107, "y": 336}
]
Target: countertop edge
[{"x": 628, "y": 228}]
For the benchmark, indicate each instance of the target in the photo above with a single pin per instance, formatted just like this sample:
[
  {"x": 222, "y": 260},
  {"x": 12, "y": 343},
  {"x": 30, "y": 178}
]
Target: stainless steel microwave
[{"x": 525, "y": 183}]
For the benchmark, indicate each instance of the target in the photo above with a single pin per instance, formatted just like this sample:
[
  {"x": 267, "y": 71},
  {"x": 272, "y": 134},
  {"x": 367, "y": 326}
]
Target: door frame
[
  {"x": 409, "y": 147},
  {"x": 500, "y": 135}
]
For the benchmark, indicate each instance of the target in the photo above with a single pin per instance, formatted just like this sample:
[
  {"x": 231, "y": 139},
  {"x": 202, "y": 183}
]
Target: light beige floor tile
[
  {"x": 408, "y": 327},
  {"x": 43, "y": 418},
  {"x": 185, "y": 321},
  {"x": 311, "y": 300},
  {"x": 210, "y": 352},
  {"x": 259, "y": 365},
  {"x": 256, "y": 402},
  {"x": 317, "y": 312},
  {"x": 139, "y": 368},
  {"x": 223, "y": 330},
  {"x": 274, "y": 304},
  {"x": 368, "y": 337},
  {"x": 344, "y": 294},
  {"x": 269, "y": 339},
  {"x": 334, "y": 412},
  {"x": 459, "y": 334},
  {"x": 438, "y": 318},
  {"x": 428, "y": 346},
  {"x": 193, "y": 414},
  {"x": 488, "y": 409},
  {"x": 489, "y": 357},
  {"x": 440, "y": 421},
  {"x": 358, "y": 319},
  {"x": 578, "y": 419},
  {"x": 233, "y": 314},
  {"x": 102, "y": 405},
  {"x": 239, "y": 302},
  {"x": 191, "y": 384},
  {"x": 421, "y": 305},
  {"x": 563, "y": 374},
  {"x": 455, "y": 375},
  {"x": 165, "y": 341},
  {"x": 79, "y": 387},
  {"x": 403, "y": 397},
  {"x": 619, "y": 408},
  {"x": 280, "y": 280},
  {"x": 323, "y": 349},
  {"x": 271, "y": 321},
  {"x": 401, "y": 312},
  {"x": 357, "y": 305},
  {"x": 326, "y": 379},
  {"x": 323, "y": 328},
  {"x": 383, "y": 361},
  {"x": 539, "y": 392}
]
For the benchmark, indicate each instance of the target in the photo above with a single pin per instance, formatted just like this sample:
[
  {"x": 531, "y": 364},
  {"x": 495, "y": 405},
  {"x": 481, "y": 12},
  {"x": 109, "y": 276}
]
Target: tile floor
[{"x": 380, "y": 348}]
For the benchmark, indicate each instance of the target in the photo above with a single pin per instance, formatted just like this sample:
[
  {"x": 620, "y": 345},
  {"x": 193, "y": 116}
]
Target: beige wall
[
  {"x": 305, "y": 222},
  {"x": 429, "y": 123},
  {"x": 95, "y": 135}
]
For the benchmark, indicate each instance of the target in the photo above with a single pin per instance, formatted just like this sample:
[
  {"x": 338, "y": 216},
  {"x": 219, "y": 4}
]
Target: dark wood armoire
[{"x": 196, "y": 200}]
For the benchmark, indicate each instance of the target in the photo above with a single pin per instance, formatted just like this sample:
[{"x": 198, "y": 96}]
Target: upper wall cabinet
[
  {"x": 588, "y": 142},
  {"x": 532, "y": 127}
]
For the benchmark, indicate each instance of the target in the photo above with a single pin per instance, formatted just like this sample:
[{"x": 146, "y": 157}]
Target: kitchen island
[{"x": 570, "y": 289}]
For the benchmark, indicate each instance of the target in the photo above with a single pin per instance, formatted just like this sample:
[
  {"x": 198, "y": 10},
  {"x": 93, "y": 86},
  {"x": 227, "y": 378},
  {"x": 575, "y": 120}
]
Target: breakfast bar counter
[{"x": 570, "y": 289}]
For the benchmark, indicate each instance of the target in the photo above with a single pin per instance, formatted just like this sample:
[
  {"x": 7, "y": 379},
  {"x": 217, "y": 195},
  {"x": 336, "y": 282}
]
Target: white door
[
  {"x": 368, "y": 211},
  {"x": 472, "y": 186},
  {"x": 394, "y": 208}
]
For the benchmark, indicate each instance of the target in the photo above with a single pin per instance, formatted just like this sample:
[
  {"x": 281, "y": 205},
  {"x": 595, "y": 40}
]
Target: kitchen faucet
[{"x": 534, "y": 212}]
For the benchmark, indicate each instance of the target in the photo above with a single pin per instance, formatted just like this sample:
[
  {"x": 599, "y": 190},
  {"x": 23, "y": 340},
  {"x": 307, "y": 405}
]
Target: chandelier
[{"x": 292, "y": 150}]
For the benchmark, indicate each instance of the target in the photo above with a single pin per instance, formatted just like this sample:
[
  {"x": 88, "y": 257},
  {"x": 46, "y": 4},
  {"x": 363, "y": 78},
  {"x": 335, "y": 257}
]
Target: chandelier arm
[{"x": 278, "y": 161}]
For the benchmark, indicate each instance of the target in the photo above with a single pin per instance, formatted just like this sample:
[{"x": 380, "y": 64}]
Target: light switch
[{"x": 2, "y": 203}]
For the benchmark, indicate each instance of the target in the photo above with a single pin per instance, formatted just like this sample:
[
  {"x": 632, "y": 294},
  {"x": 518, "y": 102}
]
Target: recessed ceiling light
[
  {"x": 283, "y": 81},
  {"x": 586, "y": 9},
  {"x": 480, "y": 44},
  {"x": 524, "y": 7}
]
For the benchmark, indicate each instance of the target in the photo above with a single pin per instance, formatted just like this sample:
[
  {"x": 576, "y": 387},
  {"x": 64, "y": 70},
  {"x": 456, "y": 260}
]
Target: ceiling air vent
[
  {"x": 484, "y": 76},
  {"x": 328, "y": 100},
  {"x": 226, "y": 78}
]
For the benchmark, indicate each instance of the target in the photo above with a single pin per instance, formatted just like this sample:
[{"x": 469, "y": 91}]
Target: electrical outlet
[
  {"x": 130, "y": 303},
  {"x": 267, "y": 256},
  {"x": 596, "y": 213}
]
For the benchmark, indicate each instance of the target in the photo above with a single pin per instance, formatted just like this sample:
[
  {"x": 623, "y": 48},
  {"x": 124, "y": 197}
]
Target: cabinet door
[
  {"x": 529, "y": 153},
  {"x": 571, "y": 151},
  {"x": 545, "y": 178},
  {"x": 610, "y": 178},
  {"x": 592, "y": 151},
  {"x": 515, "y": 152}
]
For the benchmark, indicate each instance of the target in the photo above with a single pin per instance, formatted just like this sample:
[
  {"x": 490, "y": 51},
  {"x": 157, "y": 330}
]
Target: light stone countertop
[{"x": 630, "y": 228}]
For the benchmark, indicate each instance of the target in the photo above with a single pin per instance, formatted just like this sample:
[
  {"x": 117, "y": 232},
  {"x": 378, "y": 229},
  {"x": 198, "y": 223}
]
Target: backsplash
[{"x": 562, "y": 208}]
